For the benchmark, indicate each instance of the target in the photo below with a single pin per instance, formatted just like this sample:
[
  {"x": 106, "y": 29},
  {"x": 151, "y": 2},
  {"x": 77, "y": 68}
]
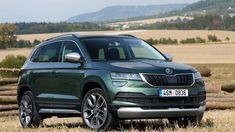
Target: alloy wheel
[{"x": 95, "y": 111}]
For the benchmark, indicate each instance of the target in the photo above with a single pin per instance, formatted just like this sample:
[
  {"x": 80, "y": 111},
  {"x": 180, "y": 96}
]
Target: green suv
[{"x": 105, "y": 79}]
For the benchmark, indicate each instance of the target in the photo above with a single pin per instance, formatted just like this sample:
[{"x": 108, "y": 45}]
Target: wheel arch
[
  {"x": 21, "y": 90},
  {"x": 92, "y": 83}
]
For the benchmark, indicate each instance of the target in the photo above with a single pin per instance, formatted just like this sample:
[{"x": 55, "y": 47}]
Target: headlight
[
  {"x": 197, "y": 75},
  {"x": 126, "y": 76}
]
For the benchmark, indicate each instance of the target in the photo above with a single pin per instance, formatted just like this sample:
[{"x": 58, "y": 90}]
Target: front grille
[{"x": 169, "y": 80}]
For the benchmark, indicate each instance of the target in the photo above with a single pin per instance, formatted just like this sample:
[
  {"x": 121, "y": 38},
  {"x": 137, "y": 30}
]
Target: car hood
[{"x": 143, "y": 66}]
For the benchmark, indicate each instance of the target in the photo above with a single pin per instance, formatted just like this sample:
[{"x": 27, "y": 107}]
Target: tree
[{"x": 7, "y": 35}]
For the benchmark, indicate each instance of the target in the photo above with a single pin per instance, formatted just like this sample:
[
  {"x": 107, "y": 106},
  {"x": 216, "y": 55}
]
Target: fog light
[{"x": 119, "y": 83}]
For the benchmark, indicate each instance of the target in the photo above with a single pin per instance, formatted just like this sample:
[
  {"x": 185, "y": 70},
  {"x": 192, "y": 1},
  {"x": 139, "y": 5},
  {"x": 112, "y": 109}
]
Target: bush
[
  {"x": 162, "y": 41},
  {"x": 168, "y": 41},
  {"x": 205, "y": 72},
  {"x": 36, "y": 42},
  {"x": 227, "y": 39},
  {"x": 151, "y": 41},
  {"x": 228, "y": 88},
  {"x": 213, "y": 38},
  {"x": 11, "y": 62},
  {"x": 22, "y": 44},
  {"x": 193, "y": 40}
]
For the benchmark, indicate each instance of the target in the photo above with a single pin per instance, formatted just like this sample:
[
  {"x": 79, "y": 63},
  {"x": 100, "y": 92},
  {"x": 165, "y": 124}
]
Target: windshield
[{"x": 116, "y": 49}]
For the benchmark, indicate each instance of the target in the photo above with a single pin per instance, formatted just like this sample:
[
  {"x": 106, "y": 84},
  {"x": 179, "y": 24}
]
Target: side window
[
  {"x": 69, "y": 47},
  {"x": 47, "y": 53}
]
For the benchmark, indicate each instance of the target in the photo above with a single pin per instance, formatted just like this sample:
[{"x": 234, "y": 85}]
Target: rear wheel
[
  {"x": 28, "y": 114},
  {"x": 95, "y": 111},
  {"x": 184, "y": 122}
]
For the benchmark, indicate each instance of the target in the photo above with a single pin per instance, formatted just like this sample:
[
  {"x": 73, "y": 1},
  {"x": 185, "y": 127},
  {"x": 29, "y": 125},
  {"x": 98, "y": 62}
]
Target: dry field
[
  {"x": 155, "y": 20},
  {"x": 145, "y": 34},
  {"x": 201, "y": 53},
  {"x": 23, "y": 51},
  {"x": 213, "y": 121}
]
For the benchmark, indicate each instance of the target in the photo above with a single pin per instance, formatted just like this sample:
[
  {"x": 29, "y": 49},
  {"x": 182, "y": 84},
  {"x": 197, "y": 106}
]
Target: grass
[{"x": 218, "y": 120}]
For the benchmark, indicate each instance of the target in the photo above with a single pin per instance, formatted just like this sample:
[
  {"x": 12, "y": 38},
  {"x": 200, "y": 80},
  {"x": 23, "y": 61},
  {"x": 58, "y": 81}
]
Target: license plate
[{"x": 173, "y": 92}]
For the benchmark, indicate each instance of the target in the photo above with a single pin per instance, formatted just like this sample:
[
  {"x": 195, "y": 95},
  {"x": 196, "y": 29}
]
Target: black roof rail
[
  {"x": 128, "y": 35},
  {"x": 63, "y": 35}
]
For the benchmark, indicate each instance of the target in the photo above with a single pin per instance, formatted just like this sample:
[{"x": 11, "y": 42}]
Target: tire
[
  {"x": 95, "y": 111},
  {"x": 184, "y": 122},
  {"x": 28, "y": 114}
]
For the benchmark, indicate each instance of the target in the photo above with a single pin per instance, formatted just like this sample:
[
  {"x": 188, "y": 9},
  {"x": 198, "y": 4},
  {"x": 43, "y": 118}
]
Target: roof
[{"x": 91, "y": 36}]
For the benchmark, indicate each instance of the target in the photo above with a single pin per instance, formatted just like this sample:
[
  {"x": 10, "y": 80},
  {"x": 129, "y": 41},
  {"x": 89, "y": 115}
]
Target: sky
[{"x": 60, "y": 10}]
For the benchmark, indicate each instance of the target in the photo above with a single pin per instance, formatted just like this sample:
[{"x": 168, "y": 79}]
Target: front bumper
[{"x": 139, "y": 113}]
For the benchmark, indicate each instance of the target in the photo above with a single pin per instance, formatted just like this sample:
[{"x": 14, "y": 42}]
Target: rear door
[
  {"x": 43, "y": 63},
  {"x": 66, "y": 79}
]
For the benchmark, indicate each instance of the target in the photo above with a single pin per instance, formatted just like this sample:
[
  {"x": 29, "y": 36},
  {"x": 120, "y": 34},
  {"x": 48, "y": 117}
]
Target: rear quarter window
[{"x": 47, "y": 53}]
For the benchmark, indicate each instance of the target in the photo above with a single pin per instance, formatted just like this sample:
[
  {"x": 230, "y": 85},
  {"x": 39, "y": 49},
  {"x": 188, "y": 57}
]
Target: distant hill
[
  {"x": 211, "y": 7},
  {"x": 124, "y": 12}
]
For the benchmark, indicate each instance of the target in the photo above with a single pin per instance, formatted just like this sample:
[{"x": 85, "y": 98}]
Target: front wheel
[{"x": 95, "y": 111}]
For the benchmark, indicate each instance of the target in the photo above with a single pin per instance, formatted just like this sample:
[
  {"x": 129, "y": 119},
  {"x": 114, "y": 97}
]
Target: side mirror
[
  {"x": 72, "y": 57},
  {"x": 169, "y": 57}
]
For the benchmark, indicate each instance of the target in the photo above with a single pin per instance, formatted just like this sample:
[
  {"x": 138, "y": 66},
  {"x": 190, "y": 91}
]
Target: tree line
[{"x": 34, "y": 28}]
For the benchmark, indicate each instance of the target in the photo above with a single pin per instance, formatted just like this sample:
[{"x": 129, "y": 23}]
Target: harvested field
[
  {"x": 154, "y": 20},
  {"x": 201, "y": 53},
  {"x": 145, "y": 34},
  {"x": 22, "y": 51}
]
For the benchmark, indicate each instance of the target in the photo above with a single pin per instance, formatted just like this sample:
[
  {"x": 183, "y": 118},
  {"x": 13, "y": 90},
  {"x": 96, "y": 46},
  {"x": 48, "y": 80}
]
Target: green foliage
[
  {"x": 213, "y": 38},
  {"x": 11, "y": 62},
  {"x": 219, "y": 7},
  {"x": 193, "y": 40},
  {"x": 7, "y": 35}
]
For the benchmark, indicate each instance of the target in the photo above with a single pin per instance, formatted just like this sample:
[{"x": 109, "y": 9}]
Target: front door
[{"x": 66, "y": 79}]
